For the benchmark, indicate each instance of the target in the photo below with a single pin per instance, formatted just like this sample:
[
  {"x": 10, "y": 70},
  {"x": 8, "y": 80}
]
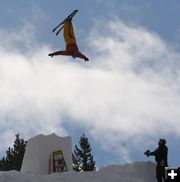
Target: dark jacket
[{"x": 161, "y": 155}]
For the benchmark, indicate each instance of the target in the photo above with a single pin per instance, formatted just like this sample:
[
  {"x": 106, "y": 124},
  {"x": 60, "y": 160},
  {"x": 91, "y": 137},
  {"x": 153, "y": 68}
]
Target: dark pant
[{"x": 160, "y": 173}]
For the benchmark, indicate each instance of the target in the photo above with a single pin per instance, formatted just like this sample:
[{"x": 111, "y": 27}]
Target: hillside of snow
[{"x": 134, "y": 172}]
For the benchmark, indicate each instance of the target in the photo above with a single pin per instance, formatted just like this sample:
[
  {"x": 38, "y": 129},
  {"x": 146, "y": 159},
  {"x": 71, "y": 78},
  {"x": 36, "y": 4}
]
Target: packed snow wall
[{"x": 39, "y": 149}]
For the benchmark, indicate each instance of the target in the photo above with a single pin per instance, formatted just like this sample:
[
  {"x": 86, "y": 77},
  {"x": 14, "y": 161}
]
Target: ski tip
[{"x": 76, "y": 10}]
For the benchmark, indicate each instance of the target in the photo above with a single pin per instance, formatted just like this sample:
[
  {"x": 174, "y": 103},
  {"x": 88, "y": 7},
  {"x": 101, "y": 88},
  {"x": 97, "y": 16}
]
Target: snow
[
  {"x": 35, "y": 166},
  {"x": 133, "y": 172},
  {"x": 39, "y": 149}
]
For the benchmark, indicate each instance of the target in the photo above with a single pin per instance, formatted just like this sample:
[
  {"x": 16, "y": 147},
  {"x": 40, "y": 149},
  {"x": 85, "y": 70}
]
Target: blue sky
[{"x": 124, "y": 99}]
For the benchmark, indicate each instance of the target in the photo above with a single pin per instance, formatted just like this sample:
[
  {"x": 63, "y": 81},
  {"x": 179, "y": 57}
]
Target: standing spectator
[{"x": 161, "y": 158}]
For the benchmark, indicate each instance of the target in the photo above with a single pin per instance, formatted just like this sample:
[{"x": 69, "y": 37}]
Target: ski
[
  {"x": 59, "y": 30},
  {"x": 70, "y": 16}
]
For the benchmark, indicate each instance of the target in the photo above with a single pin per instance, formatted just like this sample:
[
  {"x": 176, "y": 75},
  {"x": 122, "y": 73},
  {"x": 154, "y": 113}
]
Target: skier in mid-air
[
  {"x": 70, "y": 40},
  {"x": 161, "y": 158}
]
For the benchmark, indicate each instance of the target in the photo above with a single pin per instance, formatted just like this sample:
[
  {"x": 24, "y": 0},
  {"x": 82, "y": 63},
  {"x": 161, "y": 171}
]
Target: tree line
[{"x": 82, "y": 157}]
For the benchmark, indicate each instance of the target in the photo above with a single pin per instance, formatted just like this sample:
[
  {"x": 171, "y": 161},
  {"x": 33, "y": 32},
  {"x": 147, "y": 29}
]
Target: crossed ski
[{"x": 62, "y": 23}]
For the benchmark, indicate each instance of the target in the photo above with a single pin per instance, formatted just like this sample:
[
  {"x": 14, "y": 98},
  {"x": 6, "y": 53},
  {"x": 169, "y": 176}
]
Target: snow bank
[{"x": 134, "y": 172}]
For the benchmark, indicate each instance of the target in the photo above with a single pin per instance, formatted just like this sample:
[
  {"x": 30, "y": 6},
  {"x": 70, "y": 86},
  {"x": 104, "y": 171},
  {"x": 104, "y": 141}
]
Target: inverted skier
[{"x": 70, "y": 40}]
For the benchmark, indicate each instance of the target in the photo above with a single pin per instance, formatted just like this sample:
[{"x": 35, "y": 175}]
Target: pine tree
[
  {"x": 76, "y": 164},
  {"x": 14, "y": 155},
  {"x": 3, "y": 164},
  {"x": 82, "y": 159},
  {"x": 19, "y": 150}
]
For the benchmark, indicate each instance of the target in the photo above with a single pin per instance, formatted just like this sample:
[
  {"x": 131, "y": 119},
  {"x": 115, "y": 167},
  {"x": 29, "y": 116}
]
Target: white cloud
[{"x": 130, "y": 88}]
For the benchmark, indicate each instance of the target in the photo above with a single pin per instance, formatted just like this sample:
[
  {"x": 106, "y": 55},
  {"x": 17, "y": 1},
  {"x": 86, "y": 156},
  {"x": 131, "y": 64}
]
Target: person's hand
[
  {"x": 86, "y": 59},
  {"x": 147, "y": 153},
  {"x": 51, "y": 54}
]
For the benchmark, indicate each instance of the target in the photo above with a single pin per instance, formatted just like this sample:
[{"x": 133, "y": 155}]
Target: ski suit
[{"x": 70, "y": 40}]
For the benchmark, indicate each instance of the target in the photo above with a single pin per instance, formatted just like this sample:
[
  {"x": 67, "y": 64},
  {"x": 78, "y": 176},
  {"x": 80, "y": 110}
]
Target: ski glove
[{"x": 147, "y": 153}]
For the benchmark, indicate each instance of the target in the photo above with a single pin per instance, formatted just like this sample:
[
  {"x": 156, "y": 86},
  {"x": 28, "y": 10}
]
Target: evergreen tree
[
  {"x": 14, "y": 155},
  {"x": 82, "y": 158},
  {"x": 76, "y": 164},
  {"x": 3, "y": 164}
]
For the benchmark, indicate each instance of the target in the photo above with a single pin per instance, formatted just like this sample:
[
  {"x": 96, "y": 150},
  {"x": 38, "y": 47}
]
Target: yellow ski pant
[{"x": 69, "y": 36}]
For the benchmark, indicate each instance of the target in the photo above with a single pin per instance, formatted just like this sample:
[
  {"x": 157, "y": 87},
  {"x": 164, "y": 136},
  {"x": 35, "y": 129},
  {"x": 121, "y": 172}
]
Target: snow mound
[
  {"x": 38, "y": 150},
  {"x": 134, "y": 172}
]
